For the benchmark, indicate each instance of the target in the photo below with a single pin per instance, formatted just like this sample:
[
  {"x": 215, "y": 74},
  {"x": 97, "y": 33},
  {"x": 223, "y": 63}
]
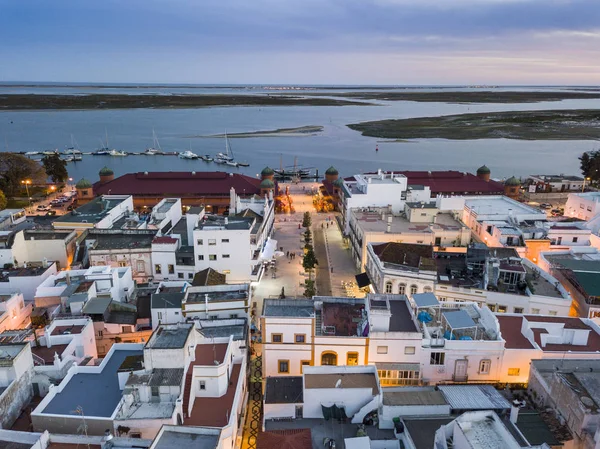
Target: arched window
[
  {"x": 402, "y": 289},
  {"x": 388, "y": 287},
  {"x": 352, "y": 358},
  {"x": 427, "y": 289},
  {"x": 413, "y": 289},
  {"x": 329, "y": 358}
]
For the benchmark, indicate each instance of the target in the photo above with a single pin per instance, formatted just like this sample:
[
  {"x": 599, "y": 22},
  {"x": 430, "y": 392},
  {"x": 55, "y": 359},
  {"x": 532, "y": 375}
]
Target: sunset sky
[{"x": 302, "y": 41}]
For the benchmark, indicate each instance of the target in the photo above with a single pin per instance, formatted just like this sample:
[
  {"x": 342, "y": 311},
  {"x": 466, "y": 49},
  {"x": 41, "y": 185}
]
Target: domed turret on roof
[
  {"x": 483, "y": 170},
  {"x": 83, "y": 184},
  {"x": 338, "y": 182},
  {"x": 267, "y": 184},
  {"x": 512, "y": 181},
  {"x": 331, "y": 174},
  {"x": 105, "y": 171},
  {"x": 267, "y": 171}
]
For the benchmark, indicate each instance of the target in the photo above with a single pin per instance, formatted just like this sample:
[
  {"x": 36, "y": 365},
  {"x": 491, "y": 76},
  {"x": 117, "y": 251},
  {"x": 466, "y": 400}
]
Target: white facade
[
  {"x": 35, "y": 246},
  {"x": 374, "y": 190},
  {"x": 26, "y": 281},
  {"x": 217, "y": 302},
  {"x": 13, "y": 312},
  {"x": 557, "y": 183},
  {"x": 583, "y": 205},
  {"x": 87, "y": 217}
]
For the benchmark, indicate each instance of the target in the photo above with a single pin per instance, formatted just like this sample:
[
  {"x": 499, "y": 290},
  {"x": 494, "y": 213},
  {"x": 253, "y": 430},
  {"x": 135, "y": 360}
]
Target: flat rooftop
[
  {"x": 473, "y": 397},
  {"x": 293, "y": 308},
  {"x": 501, "y": 206},
  {"x": 408, "y": 396},
  {"x": 348, "y": 380},
  {"x": 405, "y": 255},
  {"x": 341, "y": 319},
  {"x": 209, "y": 353},
  {"x": 401, "y": 319},
  {"x": 98, "y": 394},
  {"x": 47, "y": 354},
  {"x": 216, "y": 295},
  {"x": 169, "y": 337},
  {"x": 229, "y": 223},
  {"x": 67, "y": 330},
  {"x": 121, "y": 241},
  {"x": 237, "y": 331},
  {"x": 92, "y": 212},
  {"x": 422, "y": 430},
  {"x": 182, "y": 440},
  {"x": 284, "y": 390},
  {"x": 372, "y": 222}
]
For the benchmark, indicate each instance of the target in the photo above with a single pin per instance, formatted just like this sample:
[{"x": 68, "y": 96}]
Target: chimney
[
  {"x": 389, "y": 225},
  {"x": 514, "y": 411},
  {"x": 68, "y": 278},
  {"x": 270, "y": 195}
]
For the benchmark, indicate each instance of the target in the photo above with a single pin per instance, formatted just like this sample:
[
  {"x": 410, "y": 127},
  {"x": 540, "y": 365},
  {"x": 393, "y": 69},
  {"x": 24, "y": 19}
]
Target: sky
[{"x": 399, "y": 42}]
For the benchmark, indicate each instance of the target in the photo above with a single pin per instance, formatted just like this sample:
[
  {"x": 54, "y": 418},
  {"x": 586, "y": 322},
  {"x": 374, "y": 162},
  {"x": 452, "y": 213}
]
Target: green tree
[
  {"x": 306, "y": 220},
  {"x": 309, "y": 289},
  {"x": 590, "y": 165},
  {"x": 3, "y": 201},
  {"x": 307, "y": 238},
  {"x": 15, "y": 168},
  {"x": 309, "y": 262},
  {"x": 55, "y": 167}
]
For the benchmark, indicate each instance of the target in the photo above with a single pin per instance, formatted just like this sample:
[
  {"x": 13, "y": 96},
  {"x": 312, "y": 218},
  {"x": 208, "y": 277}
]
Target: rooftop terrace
[
  {"x": 94, "y": 211},
  {"x": 292, "y": 308},
  {"x": 342, "y": 318},
  {"x": 169, "y": 337},
  {"x": 98, "y": 394},
  {"x": 373, "y": 222}
]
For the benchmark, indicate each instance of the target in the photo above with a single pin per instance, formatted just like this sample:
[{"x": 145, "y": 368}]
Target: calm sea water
[{"x": 337, "y": 145}]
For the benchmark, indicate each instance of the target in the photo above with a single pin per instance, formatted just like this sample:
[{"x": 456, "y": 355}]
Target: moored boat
[{"x": 188, "y": 155}]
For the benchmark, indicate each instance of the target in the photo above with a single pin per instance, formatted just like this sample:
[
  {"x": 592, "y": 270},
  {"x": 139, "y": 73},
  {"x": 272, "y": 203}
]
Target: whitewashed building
[{"x": 583, "y": 205}]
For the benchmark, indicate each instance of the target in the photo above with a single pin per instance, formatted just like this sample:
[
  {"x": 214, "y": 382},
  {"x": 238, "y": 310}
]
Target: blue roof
[
  {"x": 425, "y": 300},
  {"x": 459, "y": 319},
  {"x": 97, "y": 394}
]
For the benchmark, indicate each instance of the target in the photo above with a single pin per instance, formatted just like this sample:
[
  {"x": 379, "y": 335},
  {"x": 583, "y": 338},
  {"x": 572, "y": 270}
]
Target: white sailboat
[
  {"x": 117, "y": 153},
  {"x": 74, "y": 148},
  {"x": 227, "y": 156},
  {"x": 155, "y": 148}
]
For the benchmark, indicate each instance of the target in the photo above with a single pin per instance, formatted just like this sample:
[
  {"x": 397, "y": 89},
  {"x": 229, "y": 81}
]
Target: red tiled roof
[
  {"x": 164, "y": 239},
  {"x": 214, "y": 412},
  {"x": 510, "y": 328},
  {"x": 285, "y": 439},
  {"x": 206, "y": 354},
  {"x": 60, "y": 330},
  {"x": 179, "y": 184}
]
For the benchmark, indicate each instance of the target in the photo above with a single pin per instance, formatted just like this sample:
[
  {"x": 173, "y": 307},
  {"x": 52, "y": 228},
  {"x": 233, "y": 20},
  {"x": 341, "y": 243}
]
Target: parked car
[
  {"x": 70, "y": 207},
  {"x": 546, "y": 206},
  {"x": 556, "y": 212},
  {"x": 41, "y": 207},
  {"x": 51, "y": 213}
]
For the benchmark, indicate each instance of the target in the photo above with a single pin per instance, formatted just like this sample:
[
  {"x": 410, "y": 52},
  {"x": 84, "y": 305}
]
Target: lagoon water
[{"x": 347, "y": 150}]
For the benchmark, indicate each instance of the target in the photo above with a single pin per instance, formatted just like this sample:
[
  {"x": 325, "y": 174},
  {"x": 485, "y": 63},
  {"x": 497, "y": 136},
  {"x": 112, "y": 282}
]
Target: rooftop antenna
[{"x": 83, "y": 428}]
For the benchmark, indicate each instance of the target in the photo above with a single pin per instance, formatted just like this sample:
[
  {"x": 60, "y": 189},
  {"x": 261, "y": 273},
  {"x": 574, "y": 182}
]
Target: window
[
  {"x": 202, "y": 384},
  {"x": 552, "y": 312},
  {"x": 276, "y": 338},
  {"x": 484, "y": 366},
  {"x": 402, "y": 289},
  {"x": 329, "y": 358},
  {"x": 190, "y": 275},
  {"x": 171, "y": 269},
  {"x": 509, "y": 241},
  {"x": 409, "y": 350},
  {"x": 224, "y": 240},
  {"x": 159, "y": 315},
  {"x": 559, "y": 240},
  {"x": 212, "y": 257},
  {"x": 388, "y": 287},
  {"x": 233, "y": 315},
  {"x": 304, "y": 363},
  {"x": 518, "y": 309},
  {"x": 176, "y": 313},
  {"x": 201, "y": 257},
  {"x": 141, "y": 266},
  {"x": 427, "y": 289},
  {"x": 158, "y": 269},
  {"x": 535, "y": 311},
  {"x": 122, "y": 264},
  {"x": 127, "y": 329},
  {"x": 300, "y": 338},
  {"x": 489, "y": 230},
  {"x": 200, "y": 241},
  {"x": 99, "y": 333},
  {"x": 514, "y": 371},
  {"x": 154, "y": 391},
  {"x": 492, "y": 307},
  {"x": 501, "y": 309},
  {"x": 575, "y": 239},
  {"x": 438, "y": 241},
  {"x": 212, "y": 242},
  {"x": 437, "y": 358},
  {"x": 382, "y": 349},
  {"x": 390, "y": 378},
  {"x": 352, "y": 358},
  {"x": 225, "y": 256},
  {"x": 413, "y": 289},
  {"x": 283, "y": 366},
  {"x": 226, "y": 271},
  {"x": 180, "y": 275}
]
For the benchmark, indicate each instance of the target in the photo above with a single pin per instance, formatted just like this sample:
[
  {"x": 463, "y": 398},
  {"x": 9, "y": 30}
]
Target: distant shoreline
[
  {"x": 573, "y": 124},
  {"x": 301, "y": 131},
  {"x": 16, "y": 102}
]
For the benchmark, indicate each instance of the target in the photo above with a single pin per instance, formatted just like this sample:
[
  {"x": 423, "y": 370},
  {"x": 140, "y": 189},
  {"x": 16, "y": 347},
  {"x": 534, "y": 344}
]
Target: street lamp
[
  {"x": 583, "y": 186},
  {"x": 27, "y": 182},
  {"x": 70, "y": 181}
]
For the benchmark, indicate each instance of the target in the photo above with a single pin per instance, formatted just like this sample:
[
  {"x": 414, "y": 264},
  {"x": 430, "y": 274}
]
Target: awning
[
  {"x": 362, "y": 280},
  {"x": 398, "y": 366},
  {"x": 269, "y": 249}
]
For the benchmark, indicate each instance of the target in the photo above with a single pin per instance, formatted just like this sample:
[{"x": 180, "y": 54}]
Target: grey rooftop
[
  {"x": 473, "y": 397},
  {"x": 169, "y": 337},
  {"x": 459, "y": 319},
  {"x": 96, "y": 394},
  {"x": 425, "y": 300},
  {"x": 293, "y": 308},
  {"x": 170, "y": 440}
]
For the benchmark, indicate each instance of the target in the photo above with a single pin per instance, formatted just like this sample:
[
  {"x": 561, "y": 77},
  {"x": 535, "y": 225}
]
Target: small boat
[
  {"x": 228, "y": 155},
  {"x": 74, "y": 148},
  {"x": 50, "y": 153},
  {"x": 188, "y": 155},
  {"x": 117, "y": 153},
  {"x": 155, "y": 148},
  {"x": 224, "y": 157},
  {"x": 243, "y": 164},
  {"x": 101, "y": 152},
  {"x": 232, "y": 163},
  {"x": 32, "y": 153},
  {"x": 220, "y": 161},
  {"x": 206, "y": 158}
]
